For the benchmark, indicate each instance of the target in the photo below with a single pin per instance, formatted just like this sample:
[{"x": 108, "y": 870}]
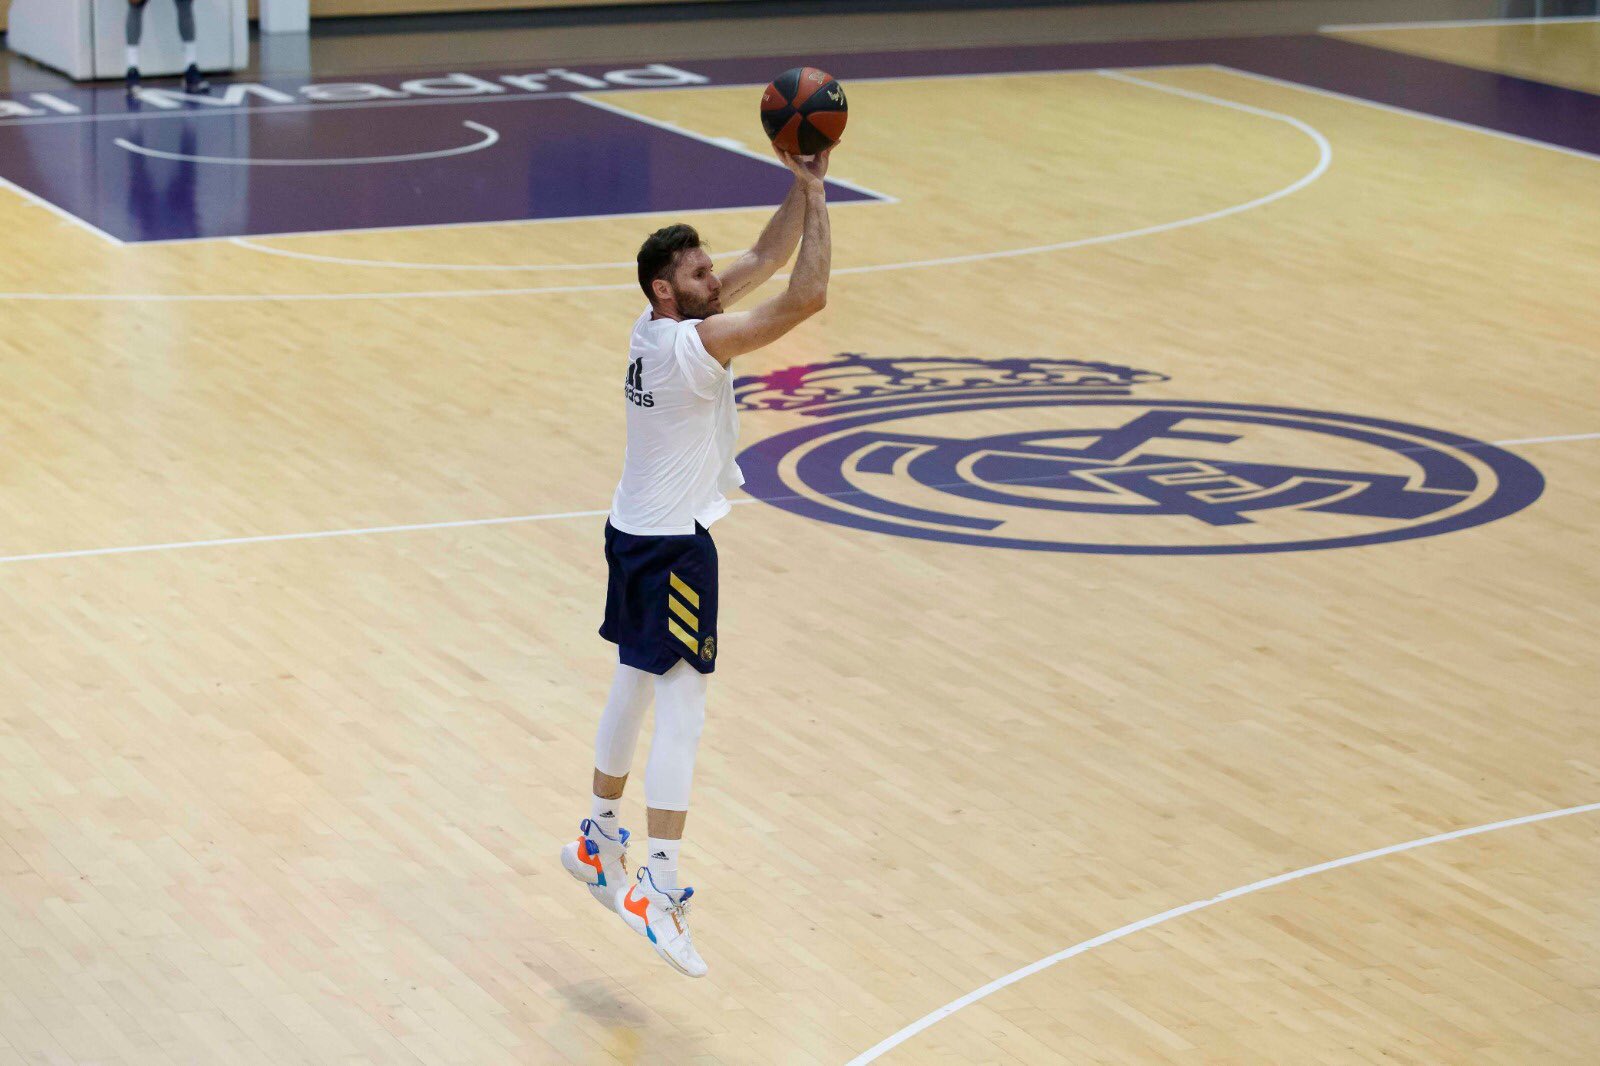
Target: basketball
[{"x": 804, "y": 111}]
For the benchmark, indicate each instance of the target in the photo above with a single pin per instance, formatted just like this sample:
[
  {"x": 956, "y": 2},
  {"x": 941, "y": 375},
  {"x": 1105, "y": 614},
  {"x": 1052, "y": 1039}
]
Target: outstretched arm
[
  {"x": 776, "y": 243},
  {"x": 729, "y": 335}
]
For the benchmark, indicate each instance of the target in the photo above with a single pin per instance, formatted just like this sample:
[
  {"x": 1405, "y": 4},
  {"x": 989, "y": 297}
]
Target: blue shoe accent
[
  {"x": 682, "y": 895},
  {"x": 589, "y": 829},
  {"x": 651, "y": 933}
]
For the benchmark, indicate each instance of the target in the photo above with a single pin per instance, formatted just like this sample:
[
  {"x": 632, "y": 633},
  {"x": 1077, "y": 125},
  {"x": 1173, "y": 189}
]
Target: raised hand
[{"x": 810, "y": 170}]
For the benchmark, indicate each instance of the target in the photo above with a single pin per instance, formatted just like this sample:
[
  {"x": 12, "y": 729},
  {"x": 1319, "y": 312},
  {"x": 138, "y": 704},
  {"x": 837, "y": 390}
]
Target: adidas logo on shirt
[{"x": 634, "y": 389}]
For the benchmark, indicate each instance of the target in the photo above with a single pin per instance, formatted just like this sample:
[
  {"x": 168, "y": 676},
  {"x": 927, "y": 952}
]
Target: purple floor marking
[
  {"x": 555, "y": 159},
  {"x": 1565, "y": 118},
  {"x": 561, "y": 159},
  {"x": 1552, "y": 114}
]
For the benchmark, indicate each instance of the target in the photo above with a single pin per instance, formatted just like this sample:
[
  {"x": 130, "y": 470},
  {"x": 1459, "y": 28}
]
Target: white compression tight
[{"x": 680, "y": 698}]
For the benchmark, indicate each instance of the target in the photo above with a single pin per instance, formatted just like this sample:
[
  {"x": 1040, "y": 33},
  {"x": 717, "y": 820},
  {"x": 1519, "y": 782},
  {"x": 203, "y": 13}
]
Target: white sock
[
  {"x": 133, "y": 56},
  {"x": 604, "y": 813},
  {"x": 191, "y": 54},
  {"x": 663, "y": 862}
]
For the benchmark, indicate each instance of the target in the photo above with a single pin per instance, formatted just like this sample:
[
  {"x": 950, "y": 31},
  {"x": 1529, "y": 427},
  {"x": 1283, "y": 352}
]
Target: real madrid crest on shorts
[{"x": 1060, "y": 455}]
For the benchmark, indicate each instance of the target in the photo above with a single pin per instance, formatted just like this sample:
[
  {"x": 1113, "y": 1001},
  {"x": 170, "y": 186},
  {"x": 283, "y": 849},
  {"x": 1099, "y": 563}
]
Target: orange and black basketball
[{"x": 804, "y": 111}]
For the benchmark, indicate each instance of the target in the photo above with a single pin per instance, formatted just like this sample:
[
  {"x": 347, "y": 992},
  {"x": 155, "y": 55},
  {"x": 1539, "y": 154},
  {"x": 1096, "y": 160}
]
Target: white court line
[
  {"x": 491, "y": 137},
  {"x": 1325, "y": 157},
  {"x": 326, "y": 534},
  {"x": 727, "y": 144},
  {"x": 614, "y": 216},
  {"x": 1550, "y": 440},
  {"x": 724, "y": 143},
  {"x": 628, "y": 214},
  {"x": 927, "y": 1020},
  {"x": 1580, "y": 154},
  {"x": 39, "y": 201},
  {"x": 320, "y": 535},
  {"x": 1451, "y": 24},
  {"x": 389, "y": 264},
  {"x": 279, "y": 109},
  {"x": 418, "y": 527},
  {"x": 290, "y": 109},
  {"x": 303, "y": 297}
]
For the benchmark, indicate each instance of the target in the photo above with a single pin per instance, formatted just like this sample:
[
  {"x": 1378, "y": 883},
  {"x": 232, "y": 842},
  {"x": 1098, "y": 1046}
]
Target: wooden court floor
[{"x": 268, "y": 797}]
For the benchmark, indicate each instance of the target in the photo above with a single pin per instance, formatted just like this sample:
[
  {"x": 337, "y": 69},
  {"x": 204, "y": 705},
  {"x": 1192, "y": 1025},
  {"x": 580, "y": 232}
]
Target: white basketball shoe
[
  {"x": 662, "y": 917},
  {"x": 600, "y": 861}
]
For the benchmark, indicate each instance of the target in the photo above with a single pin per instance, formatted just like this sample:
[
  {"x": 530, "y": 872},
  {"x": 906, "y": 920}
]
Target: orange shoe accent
[
  {"x": 587, "y": 859},
  {"x": 639, "y": 906}
]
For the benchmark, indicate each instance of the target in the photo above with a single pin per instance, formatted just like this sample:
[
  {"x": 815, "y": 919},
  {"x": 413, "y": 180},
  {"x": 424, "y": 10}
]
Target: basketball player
[
  {"x": 661, "y": 597},
  {"x": 192, "y": 81}
]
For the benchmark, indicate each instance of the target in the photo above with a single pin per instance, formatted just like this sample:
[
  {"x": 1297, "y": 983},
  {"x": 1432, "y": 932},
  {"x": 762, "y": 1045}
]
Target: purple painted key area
[{"x": 557, "y": 157}]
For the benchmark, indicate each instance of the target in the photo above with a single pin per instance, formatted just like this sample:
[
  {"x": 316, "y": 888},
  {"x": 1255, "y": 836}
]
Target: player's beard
[{"x": 689, "y": 307}]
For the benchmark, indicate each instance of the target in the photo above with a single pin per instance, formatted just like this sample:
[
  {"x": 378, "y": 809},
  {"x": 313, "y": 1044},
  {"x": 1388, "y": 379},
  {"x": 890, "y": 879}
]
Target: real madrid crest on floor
[{"x": 932, "y": 448}]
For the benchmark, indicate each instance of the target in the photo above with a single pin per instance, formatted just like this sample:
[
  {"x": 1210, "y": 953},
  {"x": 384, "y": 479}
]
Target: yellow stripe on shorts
[
  {"x": 677, "y": 631},
  {"x": 684, "y": 590},
  {"x": 688, "y": 616}
]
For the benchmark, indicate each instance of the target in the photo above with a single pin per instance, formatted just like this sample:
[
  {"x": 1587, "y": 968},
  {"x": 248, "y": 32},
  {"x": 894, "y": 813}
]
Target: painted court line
[
  {"x": 1324, "y": 159},
  {"x": 197, "y": 111},
  {"x": 389, "y": 264},
  {"x": 933, "y": 1018},
  {"x": 319, "y": 535},
  {"x": 1453, "y": 24},
  {"x": 489, "y": 138},
  {"x": 418, "y": 527},
  {"x": 417, "y": 227},
  {"x": 1575, "y": 152},
  {"x": 1550, "y": 440},
  {"x": 273, "y": 109},
  {"x": 727, "y": 144},
  {"x": 303, "y": 297},
  {"x": 39, "y": 201},
  {"x": 1325, "y": 151}
]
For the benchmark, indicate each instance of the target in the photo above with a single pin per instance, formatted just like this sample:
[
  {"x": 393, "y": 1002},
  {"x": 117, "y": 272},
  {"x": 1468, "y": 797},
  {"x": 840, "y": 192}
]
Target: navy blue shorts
[{"x": 661, "y": 600}]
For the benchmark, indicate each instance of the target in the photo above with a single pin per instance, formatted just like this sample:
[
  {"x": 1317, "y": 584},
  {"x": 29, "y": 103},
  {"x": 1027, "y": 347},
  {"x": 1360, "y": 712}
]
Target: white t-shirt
[{"x": 683, "y": 428}]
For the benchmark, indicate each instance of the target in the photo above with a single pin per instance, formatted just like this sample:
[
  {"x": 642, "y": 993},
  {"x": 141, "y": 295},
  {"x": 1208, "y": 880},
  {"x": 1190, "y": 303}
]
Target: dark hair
[{"x": 660, "y": 251}]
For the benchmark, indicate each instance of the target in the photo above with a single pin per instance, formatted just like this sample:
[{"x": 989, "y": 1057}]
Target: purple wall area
[{"x": 560, "y": 158}]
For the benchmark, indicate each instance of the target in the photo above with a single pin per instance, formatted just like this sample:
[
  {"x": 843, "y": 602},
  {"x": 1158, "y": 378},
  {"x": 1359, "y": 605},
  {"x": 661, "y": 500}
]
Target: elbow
[{"x": 806, "y": 298}]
